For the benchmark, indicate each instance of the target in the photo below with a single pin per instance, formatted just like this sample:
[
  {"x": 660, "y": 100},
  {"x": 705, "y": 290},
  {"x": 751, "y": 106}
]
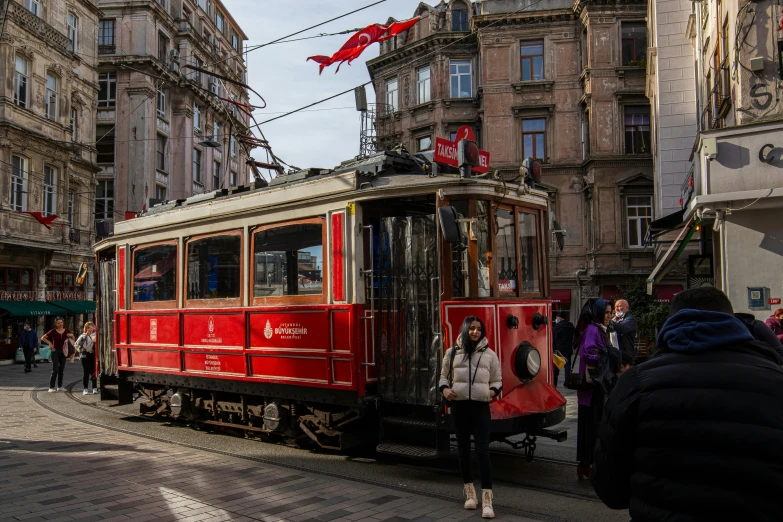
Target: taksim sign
[{"x": 446, "y": 153}]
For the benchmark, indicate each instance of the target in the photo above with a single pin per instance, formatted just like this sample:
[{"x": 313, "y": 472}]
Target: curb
[{"x": 7, "y": 362}]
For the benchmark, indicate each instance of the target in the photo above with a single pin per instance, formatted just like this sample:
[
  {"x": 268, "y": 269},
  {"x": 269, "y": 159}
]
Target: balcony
[
  {"x": 61, "y": 295},
  {"x": 28, "y": 21},
  {"x": 107, "y": 49}
]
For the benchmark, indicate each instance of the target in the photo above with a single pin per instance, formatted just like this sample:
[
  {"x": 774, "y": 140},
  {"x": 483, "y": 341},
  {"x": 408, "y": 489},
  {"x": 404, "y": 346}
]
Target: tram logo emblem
[
  {"x": 211, "y": 324},
  {"x": 268, "y": 330}
]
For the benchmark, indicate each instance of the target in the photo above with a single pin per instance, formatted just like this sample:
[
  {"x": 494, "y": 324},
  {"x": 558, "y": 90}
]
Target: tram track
[{"x": 314, "y": 470}]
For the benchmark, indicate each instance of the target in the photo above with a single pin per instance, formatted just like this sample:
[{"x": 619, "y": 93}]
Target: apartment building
[
  {"x": 165, "y": 131},
  {"x": 557, "y": 80},
  {"x": 47, "y": 158}
]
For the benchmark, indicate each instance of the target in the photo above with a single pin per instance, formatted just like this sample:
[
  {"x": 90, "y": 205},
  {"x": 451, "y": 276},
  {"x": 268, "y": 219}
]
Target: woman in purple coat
[
  {"x": 775, "y": 323},
  {"x": 592, "y": 327}
]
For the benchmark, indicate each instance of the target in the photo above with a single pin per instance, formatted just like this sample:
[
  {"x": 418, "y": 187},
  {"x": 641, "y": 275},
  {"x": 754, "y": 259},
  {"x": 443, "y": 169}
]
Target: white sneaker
[
  {"x": 85, "y": 392},
  {"x": 52, "y": 390},
  {"x": 94, "y": 391},
  {"x": 61, "y": 389}
]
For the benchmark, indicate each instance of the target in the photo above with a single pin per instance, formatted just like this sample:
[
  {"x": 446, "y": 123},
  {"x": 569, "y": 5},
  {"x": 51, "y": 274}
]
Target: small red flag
[
  {"x": 360, "y": 41},
  {"x": 44, "y": 220}
]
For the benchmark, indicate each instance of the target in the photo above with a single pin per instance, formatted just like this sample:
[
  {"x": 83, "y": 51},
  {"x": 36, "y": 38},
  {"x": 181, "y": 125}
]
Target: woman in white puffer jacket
[{"x": 470, "y": 377}]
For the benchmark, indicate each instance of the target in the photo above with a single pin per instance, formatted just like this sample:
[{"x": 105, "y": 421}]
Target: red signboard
[
  {"x": 446, "y": 153},
  {"x": 774, "y": 300},
  {"x": 220, "y": 330},
  {"x": 465, "y": 133},
  {"x": 290, "y": 330}
]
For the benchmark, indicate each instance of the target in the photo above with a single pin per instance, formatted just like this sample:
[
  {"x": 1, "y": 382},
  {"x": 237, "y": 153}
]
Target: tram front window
[
  {"x": 506, "y": 259},
  {"x": 288, "y": 260},
  {"x": 528, "y": 255}
]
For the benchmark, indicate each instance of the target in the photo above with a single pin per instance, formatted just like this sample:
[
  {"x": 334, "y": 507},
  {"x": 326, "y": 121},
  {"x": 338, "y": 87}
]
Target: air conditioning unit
[
  {"x": 213, "y": 86},
  {"x": 174, "y": 55}
]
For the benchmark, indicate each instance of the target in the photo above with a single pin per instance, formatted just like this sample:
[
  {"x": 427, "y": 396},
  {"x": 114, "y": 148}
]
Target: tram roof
[{"x": 359, "y": 179}]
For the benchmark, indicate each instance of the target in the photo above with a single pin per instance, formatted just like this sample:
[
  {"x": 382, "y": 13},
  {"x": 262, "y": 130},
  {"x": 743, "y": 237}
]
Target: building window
[
  {"x": 423, "y": 143},
  {"x": 107, "y": 34},
  {"x": 73, "y": 32},
  {"x": 534, "y": 139},
  {"x": 198, "y": 176},
  {"x": 20, "y": 81},
  {"x": 461, "y": 79},
  {"x": 197, "y": 74},
  {"x": 51, "y": 96},
  {"x": 234, "y": 179},
  {"x": 50, "y": 191},
  {"x": 639, "y": 212},
  {"x": 233, "y": 146},
  {"x": 236, "y": 43},
  {"x": 196, "y": 118},
  {"x": 637, "y": 129},
  {"x": 220, "y": 22},
  {"x": 160, "y": 153},
  {"x": 19, "y": 183},
  {"x": 160, "y": 193},
  {"x": 74, "y": 124},
  {"x": 216, "y": 175},
  {"x": 163, "y": 47},
  {"x": 70, "y": 207},
  {"x": 161, "y": 103},
  {"x": 105, "y": 143},
  {"x": 104, "y": 200},
  {"x": 423, "y": 84},
  {"x": 392, "y": 94},
  {"x": 459, "y": 18},
  {"x": 107, "y": 92},
  {"x": 634, "y": 39},
  {"x": 34, "y": 6},
  {"x": 533, "y": 60}
]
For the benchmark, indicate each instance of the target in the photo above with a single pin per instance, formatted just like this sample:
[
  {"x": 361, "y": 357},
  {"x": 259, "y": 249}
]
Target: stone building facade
[
  {"x": 557, "y": 80},
  {"x": 163, "y": 133},
  {"x": 47, "y": 156}
]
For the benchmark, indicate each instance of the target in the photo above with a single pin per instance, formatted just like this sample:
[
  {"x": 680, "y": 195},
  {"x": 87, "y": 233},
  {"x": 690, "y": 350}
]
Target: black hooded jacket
[{"x": 696, "y": 432}]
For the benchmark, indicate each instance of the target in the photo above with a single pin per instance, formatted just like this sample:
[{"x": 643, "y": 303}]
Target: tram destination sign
[{"x": 446, "y": 152}]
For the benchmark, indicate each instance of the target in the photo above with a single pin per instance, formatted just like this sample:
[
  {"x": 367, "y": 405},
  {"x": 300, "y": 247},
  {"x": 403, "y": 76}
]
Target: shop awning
[
  {"x": 76, "y": 307},
  {"x": 29, "y": 308},
  {"x": 561, "y": 295},
  {"x": 673, "y": 253},
  {"x": 666, "y": 223},
  {"x": 665, "y": 293}
]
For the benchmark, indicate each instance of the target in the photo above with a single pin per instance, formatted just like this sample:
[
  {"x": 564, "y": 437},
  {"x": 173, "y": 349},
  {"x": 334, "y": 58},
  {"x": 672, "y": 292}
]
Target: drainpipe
[{"x": 581, "y": 270}]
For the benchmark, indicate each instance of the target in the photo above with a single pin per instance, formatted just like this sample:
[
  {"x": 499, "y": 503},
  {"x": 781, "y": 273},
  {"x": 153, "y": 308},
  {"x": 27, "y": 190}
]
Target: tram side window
[
  {"x": 155, "y": 273},
  {"x": 528, "y": 255},
  {"x": 288, "y": 261},
  {"x": 214, "y": 270},
  {"x": 506, "y": 259}
]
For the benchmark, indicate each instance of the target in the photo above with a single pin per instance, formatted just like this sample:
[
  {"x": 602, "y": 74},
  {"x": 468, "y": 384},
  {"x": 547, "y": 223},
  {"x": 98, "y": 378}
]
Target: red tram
[{"x": 318, "y": 308}]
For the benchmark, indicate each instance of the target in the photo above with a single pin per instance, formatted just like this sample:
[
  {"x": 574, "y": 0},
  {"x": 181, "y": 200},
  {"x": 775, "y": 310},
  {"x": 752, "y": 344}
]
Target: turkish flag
[
  {"x": 44, "y": 220},
  {"x": 360, "y": 41}
]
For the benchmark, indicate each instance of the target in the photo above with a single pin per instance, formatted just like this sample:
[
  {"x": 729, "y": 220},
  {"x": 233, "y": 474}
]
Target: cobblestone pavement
[{"x": 56, "y": 468}]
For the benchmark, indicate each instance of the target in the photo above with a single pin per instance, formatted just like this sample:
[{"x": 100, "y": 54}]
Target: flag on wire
[
  {"x": 360, "y": 41},
  {"x": 44, "y": 220}
]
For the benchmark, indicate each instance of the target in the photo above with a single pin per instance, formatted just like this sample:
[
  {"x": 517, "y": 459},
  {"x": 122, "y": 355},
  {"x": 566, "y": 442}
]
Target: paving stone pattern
[{"x": 53, "y": 468}]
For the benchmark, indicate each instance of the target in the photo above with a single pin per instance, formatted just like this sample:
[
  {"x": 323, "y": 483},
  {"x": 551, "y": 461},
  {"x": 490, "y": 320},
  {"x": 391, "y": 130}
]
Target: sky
[{"x": 280, "y": 73}]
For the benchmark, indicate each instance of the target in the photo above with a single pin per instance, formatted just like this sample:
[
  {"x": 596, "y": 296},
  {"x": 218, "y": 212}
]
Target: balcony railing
[
  {"x": 18, "y": 295},
  {"x": 107, "y": 49},
  {"x": 28, "y": 21},
  {"x": 62, "y": 295}
]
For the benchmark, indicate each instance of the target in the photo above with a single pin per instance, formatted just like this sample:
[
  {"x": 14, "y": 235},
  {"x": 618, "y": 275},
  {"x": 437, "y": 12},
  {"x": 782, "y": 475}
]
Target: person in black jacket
[
  {"x": 563, "y": 341},
  {"x": 625, "y": 325},
  {"x": 28, "y": 342},
  {"x": 694, "y": 433}
]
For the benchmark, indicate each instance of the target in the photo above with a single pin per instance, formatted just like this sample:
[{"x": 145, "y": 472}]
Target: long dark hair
[
  {"x": 593, "y": 311},
  {"x": 467, "y": 344}
]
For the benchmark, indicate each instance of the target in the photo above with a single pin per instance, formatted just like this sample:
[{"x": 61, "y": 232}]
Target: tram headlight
[{"x": 527, "y": 361}]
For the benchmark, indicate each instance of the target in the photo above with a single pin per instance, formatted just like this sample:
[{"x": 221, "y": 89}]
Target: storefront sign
[{"x": 774, "y": 300}]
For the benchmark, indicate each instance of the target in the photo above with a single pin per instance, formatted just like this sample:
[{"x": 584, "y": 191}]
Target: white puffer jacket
[{"x": 472, "y": 379}]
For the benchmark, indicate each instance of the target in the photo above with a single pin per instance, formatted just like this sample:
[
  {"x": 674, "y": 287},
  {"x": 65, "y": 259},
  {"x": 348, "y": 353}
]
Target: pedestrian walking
[
  {"x": 563, "y": 342},
  {"x": 28, "y": 342},
  {"x": 594, "y": 339},
  {"x": 56, "y": 339},
  {"x": 761, "y": 331},
  {"x": 694, "y": 433},
  {"x": 470, "y": 377},
  {"x": 86, "y": 346},
  {"x": 625, "y": 325},
  {"x": 775, "y": 323}
]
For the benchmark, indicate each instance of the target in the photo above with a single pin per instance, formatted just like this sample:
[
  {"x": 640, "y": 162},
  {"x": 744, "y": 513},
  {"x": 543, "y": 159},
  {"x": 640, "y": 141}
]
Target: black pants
[
  {"x": 566, "y": 371},
  {"x": 58, "y": 368},
  {"x": 88, "y": 365},
  {"x": 472, "y": 418},
  {"x": 29, "y": 357}
]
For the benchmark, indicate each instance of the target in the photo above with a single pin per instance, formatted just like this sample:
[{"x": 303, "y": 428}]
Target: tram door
[{"x": 405, "y": 287}]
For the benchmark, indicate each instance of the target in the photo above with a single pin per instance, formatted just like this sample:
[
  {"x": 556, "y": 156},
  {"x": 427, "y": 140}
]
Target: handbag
[
  {"x": 71, "y": 348},
  {"x": 576, "y": 380}
]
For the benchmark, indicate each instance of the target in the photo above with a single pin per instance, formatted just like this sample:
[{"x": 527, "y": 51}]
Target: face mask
[
  {"x": 27, "y": 328},
  {"x": 620, "y": 314}
]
